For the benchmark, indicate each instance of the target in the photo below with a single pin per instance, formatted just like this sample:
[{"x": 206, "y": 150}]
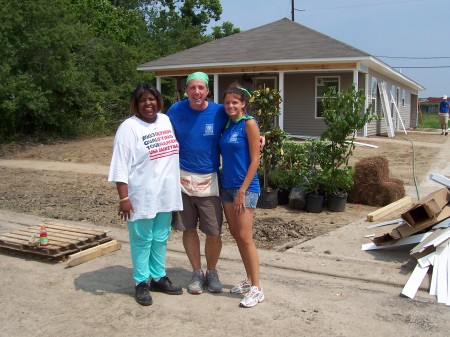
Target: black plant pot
[
  {"x": 314, "y": 203},
  {"x": 268, "y": 199},
  {"x": 283, "y": 197},
  {"x": 337, "y": 202}
]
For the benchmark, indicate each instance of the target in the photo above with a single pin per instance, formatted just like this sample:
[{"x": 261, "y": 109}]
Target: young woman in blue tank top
[{"x": 240, "y": 147}]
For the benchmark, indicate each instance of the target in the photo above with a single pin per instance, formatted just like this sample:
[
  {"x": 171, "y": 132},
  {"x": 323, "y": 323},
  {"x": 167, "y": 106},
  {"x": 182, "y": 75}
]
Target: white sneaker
[
  {"x": 252, "y": 298},
  {"x": 242, "y": 288}
]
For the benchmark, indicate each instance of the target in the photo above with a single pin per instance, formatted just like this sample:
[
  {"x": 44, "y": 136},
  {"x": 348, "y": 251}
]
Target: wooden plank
[
  {"x": 26, "y": 240},
  {"x": 257, "y": 68},
  {"x": 414, "y": 281},
  {"x": 386, "y": 108},
  {"x": 71, "y": 234},
  {"x": 435, "y": 239},
  {"x": 434, "y": 274},
  {"x": 379, "y": 213},
  {"x": 448, "y": 278},
  {"x": 442, "y": 275},
  {"x": 412, "y": 239},
  {"x": 92, "y": 253},
  {"x": 63, "y": 240},
  {"x": 56, "y": 238},
  {"x": 78, "y": 229}
]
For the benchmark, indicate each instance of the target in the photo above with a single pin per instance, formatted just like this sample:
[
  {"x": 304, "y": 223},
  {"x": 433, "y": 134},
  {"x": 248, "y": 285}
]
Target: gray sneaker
[
  {"x": 213, "y": 282},
  {"x": 197, "y": 282}
]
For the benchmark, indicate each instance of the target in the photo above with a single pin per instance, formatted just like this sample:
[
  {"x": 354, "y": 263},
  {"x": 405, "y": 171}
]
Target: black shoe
[
  {"x": 142, "y": 294},
  {"x": 164, "y": 285},
  {"x": 446, "y": 133}
]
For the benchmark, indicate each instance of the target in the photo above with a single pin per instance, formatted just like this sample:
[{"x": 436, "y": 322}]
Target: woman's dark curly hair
[{"x": 139, "y": 91}]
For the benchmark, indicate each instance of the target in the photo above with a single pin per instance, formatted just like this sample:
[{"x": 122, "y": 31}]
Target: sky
[{"x": 413, "y": 36}]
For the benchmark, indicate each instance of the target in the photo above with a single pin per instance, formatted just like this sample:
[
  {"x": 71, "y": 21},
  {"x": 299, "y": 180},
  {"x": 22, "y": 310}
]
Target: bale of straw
[
  {"x": 379, "y": 194},
  {"x": 371, "y": 170}
]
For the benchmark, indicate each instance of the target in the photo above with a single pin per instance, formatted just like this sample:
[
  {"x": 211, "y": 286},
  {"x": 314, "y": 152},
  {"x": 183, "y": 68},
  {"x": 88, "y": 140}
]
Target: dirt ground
[{"x": 90, "y": 198}]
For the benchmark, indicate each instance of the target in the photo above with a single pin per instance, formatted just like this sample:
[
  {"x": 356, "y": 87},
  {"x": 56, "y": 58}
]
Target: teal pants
[{"x": 148, "y": 244}]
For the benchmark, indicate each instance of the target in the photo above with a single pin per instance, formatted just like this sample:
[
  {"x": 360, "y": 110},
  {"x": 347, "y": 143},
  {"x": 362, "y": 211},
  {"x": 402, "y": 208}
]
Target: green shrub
[{"x": 289, "y": 170}]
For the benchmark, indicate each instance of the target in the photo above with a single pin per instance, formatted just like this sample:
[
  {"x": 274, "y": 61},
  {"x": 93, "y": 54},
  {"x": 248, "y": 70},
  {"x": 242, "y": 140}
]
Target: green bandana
[
  {"x": 246, "y": 91},
  {"x": 198, "y": 76},
  {"x": 237, "y": 120}
]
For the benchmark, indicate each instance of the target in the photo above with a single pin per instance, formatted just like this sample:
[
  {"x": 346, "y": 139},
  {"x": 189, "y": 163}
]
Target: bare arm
[
  {"x": 253, "y": 138},
  {"x": 125, "y": 207}
]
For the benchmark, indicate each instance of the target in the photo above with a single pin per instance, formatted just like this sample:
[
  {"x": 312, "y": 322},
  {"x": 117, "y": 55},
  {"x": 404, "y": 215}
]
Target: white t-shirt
[{"x": 145, "y": 156}]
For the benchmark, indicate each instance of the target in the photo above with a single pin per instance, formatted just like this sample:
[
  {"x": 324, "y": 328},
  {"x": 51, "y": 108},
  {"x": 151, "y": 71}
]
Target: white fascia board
[
  {"x": 251, "y": 63},
  {"x": 383, "y": 68}
]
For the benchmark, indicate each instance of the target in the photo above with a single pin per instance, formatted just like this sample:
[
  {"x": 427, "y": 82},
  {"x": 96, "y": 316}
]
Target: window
[
  {"x": 374, "y": 95},
  {"x": 265, "y": 82},
  {"x": 403, "y": 97},
  {"x": 323, "y": 84},
  {"x": 374, "y": 88}
]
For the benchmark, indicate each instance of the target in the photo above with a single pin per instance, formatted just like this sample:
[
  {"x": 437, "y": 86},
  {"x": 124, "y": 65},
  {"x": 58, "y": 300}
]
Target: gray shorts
[{"x": 206, "y": 211}]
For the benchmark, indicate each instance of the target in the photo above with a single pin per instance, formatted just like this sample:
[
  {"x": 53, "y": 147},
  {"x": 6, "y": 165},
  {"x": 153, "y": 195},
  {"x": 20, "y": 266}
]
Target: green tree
[
  {"x": 63, "y": 74},
  {"x": 226, "y": 29},
  {"x": 344, "y": 113},
  {"x": 183, "y": 23},
  {"x": 68, "y": 66}
]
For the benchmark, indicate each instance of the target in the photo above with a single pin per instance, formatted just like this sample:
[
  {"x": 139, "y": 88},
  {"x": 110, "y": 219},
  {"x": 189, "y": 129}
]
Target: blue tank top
[
  {"x": 198, "y": 134},
  {"x": 236, "y": 157}
]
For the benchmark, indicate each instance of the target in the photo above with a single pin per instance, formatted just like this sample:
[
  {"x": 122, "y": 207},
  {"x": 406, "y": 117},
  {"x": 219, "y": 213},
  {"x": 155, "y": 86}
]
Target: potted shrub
[
  {"x": 336, "y": 187},
  {"x": 289, "y": 172},
  {"x": 313, "y": 178},
  {"x": 344, "y": 115},
  {"x": 284, "y": 178},
  {"x": 265, "y": 106}
]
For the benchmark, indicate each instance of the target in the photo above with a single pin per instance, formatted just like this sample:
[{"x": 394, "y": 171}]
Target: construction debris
[
  {"x": 382, "y": 212},
  {"x": 427, "y": 225},
  {"x": 63, "y": 240}
]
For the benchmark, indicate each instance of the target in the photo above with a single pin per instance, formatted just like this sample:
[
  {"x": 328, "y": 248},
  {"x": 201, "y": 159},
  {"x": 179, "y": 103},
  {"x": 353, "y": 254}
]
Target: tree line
[{"x": 68, "y": 66}]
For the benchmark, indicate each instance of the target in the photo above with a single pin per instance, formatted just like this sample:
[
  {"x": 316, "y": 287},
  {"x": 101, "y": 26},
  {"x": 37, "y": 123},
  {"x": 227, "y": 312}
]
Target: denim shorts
[{"x": 251, "y": 198}]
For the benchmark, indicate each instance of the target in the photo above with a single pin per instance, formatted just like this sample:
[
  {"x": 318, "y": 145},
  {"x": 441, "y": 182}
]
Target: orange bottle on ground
[{"x": 43, "y": 238}]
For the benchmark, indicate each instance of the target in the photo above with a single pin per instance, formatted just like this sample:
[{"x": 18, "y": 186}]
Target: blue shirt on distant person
[{"x": 443, "y": 106}]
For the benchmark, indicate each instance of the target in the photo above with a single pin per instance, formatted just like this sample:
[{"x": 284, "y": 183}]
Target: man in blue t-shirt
[
  {"x": 198, "y": 124},
  {"x": 443, "y": 115}
]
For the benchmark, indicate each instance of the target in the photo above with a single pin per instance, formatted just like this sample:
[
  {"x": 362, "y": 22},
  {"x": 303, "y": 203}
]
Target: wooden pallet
[{"x": 63, "y": 240}]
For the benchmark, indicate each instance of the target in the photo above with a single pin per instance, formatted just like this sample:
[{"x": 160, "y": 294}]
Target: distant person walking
[
  {"x": 145, "y": 169},
  {"x": 443, "y": 115}
]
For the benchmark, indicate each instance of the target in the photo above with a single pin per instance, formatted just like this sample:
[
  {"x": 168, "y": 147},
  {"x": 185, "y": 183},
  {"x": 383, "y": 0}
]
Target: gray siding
[
  {"x": 300, "y": 102},
  {"x": 407, "y": 110}
]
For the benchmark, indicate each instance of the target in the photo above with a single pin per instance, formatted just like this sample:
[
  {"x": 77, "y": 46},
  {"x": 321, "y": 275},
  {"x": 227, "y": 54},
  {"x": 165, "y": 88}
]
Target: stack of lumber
[{"x": 426, "y": 224}]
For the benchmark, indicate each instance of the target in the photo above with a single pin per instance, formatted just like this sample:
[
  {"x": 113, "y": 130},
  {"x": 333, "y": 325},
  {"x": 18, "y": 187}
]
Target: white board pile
[
  {"x": 439, "y": 243},
  {"x": 433, "y": 242}
]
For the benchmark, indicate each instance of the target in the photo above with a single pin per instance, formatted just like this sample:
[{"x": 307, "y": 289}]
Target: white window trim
[{"x": 315, "y": 94}]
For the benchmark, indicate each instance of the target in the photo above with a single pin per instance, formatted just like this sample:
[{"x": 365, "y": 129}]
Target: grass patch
[{"x": 430, "y": 121}]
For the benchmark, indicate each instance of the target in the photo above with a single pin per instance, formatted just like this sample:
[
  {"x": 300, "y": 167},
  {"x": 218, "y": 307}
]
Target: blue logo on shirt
[
  {"x": 209, "y": 130},
  {"x": 234, "y": 138}
]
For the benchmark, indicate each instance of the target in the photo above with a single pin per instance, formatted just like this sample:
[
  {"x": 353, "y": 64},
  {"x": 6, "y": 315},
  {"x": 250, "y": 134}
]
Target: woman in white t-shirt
[{"x": 145, "y": 169}]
